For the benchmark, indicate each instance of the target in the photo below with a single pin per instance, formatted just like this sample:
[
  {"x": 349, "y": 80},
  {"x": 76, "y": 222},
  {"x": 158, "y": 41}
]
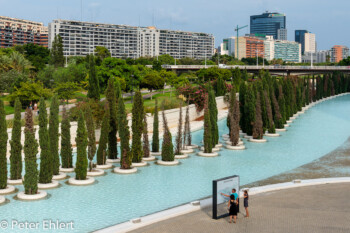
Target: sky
[{"x": 329, "y": 20}]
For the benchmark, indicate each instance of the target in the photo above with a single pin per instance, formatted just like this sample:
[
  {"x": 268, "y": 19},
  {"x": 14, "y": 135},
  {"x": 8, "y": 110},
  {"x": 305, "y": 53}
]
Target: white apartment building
[
  {"x": 81, "y": 38},
  {"x": 269, "y": 46},
  {"x": 310, "y": 42}
]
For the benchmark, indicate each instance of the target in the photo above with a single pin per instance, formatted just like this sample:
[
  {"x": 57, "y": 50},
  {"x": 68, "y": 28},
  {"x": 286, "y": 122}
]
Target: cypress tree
[
  {"x": 81, "y": 141},
  {"x": 213, "y": 118},
  {"x": 178, "y": 139},
  {"x": 94, "y": 86},
  {"x": 146, "y": 150},
  {"x": 102, "y": 147},
  {"x": 208, "y": 141},
  {"x": 112, "y": 136},
  {"x": 234, "y": 118},
  {"x": 3, "y": 147},
  {"x": 66, "y": 146},
  {"x": 278, "y": 119},
  {"x": 187, "y": 131},
  {"x": 313, "y": 89},
  {"x": 264, "y": 115},
  {"x": 54, "y": 134},
  {"x": 167, "y": 145},
  {"x": 16, "y": 146},
  {"x": 220, "y": 87},
  {"x": 124, "y": 134},
  {"x": 30, "y": 181},
  {"x": 232, "y": 101},
  {"x": 307, "y": 92},
  {"x": 90, "y": 126},
  {"x": 137, "y": 128},
  {"x": 242, "y": 94},
  {"x": 271, "y": 124},
  {"x": 258, "y": 124},
  {"x": 155, "y": 137},
  {"x": 249, "y": 110},
  {"x": 287, "y": 99},
  {"x": 46, "y": 158},
  {"x": 282, "y": 107}
]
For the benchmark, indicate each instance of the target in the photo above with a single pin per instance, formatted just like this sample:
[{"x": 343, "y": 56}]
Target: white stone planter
[
  {"x": 258, "y": 140},
  {"x": 240, "y": 143},
  {"x": 242, "y": 134},
  {"x": 301, "y": 112},
  {"x": 289, "y": 122},
  {"x": 67, "y": 170},
  {"x": 150, "y": 158},
  {"x": 61, "y": 176},
  {"x": 239, "y": 147},
  {"x": 9, "y": 189},
  {"x": 88, "y": 181},
  {"x": 293, "y": 118},
  {"x": 118, "y": 170},
  {"x": 2, "y": 199},
  {"x": 272, "y": 135},
  {"x": 192, "y": 146},
  {"x": 202, "y": 154},
  {"x": 214, "y": 149},
  {"x": 142, "y": 164},
  {"x": 41, "y": 194},
  {"x": 225, "y": 136},
  {"x": 113, "y": 160},
  {"x": 96, "y": 172},
  {"x": 184, "y": 156},
  {"x": 104, "y": 167},
  {"x": 218, "y": 145},
  {"x": 286, "y": 125},
  {"x": 156, "y": 153},
  {"x": 248, "y": 137},
  {"x": 168, "y": 163},
  {"x": 187, "y": 151},
  {"x": 53, "y": 184},
  {"x": 281, "y": 130},
  {"x": 15, "y": 182}
]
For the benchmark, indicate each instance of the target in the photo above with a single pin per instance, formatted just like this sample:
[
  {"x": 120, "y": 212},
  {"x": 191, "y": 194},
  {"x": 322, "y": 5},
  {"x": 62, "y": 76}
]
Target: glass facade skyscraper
[{"x": 270, "y": 24}]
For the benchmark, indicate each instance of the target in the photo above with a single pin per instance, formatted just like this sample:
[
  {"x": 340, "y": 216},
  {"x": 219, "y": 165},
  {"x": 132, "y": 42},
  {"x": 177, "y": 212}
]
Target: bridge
[{"x": 275, "y": 70}]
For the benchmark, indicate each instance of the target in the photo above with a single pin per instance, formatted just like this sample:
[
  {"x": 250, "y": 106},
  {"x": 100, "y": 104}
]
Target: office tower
[
  {"x": 307, "y": 40},
  {"x": 270, "y": 24},
  {"x": 289, "y": 51}
]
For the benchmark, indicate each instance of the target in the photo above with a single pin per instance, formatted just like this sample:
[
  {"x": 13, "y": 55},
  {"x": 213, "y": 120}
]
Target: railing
[{"x": 193, "y": 67}]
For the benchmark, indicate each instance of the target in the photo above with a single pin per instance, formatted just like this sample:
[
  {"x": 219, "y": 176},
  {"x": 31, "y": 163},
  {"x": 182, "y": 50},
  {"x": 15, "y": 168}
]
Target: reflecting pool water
[{"x": 118, "y": 198}]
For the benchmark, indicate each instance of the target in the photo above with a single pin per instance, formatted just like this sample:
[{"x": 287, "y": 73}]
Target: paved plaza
[{"x": 321, "y": 209}]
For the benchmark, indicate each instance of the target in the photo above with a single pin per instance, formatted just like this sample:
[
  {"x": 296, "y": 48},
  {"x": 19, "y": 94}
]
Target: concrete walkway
[{"x": 323, "y": 208}]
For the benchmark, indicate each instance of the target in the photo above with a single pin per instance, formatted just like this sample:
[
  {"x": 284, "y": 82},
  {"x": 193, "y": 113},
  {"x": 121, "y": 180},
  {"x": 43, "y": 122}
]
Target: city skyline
[{"x": 217, "y": 18}]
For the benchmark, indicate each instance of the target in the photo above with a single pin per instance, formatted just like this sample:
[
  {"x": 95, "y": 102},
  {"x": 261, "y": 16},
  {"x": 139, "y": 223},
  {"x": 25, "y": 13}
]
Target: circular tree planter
[
  {"x": 258, "y": 140},
  {"x": 213, "y": 154},
  {"x": 248, "y": 137},
  {"x": 15, "y": 182},
  {"x": 192, "y": 146},
  {"x": 25, "y": 197},
  {"x": 2, "y": 199},
  {"x": 242, "y": 134},
  {"x": 67, "y": 170},
  {"x": 88, "y": 181},
  {"x": 239, "y": 147},
  {"x": 142, "y": 164},
  {"x": 53, "y": 184},
  {"x": 184, "y": 156},
  {"x": 150, "y": 158},
  {"x": 118, "y": 170},
  {"x": 168, "y": 163},
  {"x": 240, "y": 143},
  {"x": 187, "y": 151},
  {"x": 156, "y": 153},
  {"x": 96, "y": 172},
  {"x": 219, "y": 145},
  {"x": 61, "y": 176},
  {"x": 104, "y": 167},
  {"x": 289, "y": 122},
  {"x": 293, "y": 118},
  {"x": 113, "y": 160},
  {"x": 9, "y": 189},
  {"x": 281, "y": 130},
  {"x": 286, "y": 125},
  {"x": 214, "y": 149},
  {"x": 272, "y": 135}
]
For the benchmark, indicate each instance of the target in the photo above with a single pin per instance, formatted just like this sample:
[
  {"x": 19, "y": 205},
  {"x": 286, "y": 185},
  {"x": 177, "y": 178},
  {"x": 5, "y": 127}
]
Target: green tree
[
  {"x": 3, "y": 147},
  {"x": 277, "y": 116},
  {"x": 112, "y": 136},
  {"x": 220, "y": 87},
  {"x": 213, "y": 118},
  {"x": 282, "y": 107},
  {"x": 152, "y": 81},
  {"x": 30, "y": 150},
  {"x": 46, "y": 158},
  {"x": 16, "y": 146},
  {"x": 66, "y": 90},
  {"x": 236, "y": 77},
  {"x": 167, "y": 145},
  {"x": 137, "y": 127},
  {"x": 258, "y": 123},
  {"x": 271, "y": 123},
  {"x": 157, "y": 66},
  {"x": 208, "y": 141},
  {"x": 155, "y": 136},
  {"x": 66, "y": 146},
  {"x": 102, "y": 52},
  {"x": 242, "y": 93},
  {"x": 94, "y": 88},
  {"x": 102, "y": 147},
  {"x": 81, "y": 141},
  {"x": 249, "y": 110},
  {"x": 90, "y": 126},
  {"x": 124, "y": 134},
  {"x": 57, "y": 58},
  {"x": 178, "y": 139},
  {"x": 187, "y": 132},
  {"x": 146, "y": 149},
  {"x": 54, "y": 134}
]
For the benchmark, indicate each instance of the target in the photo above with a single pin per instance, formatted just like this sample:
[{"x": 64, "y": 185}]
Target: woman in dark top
[
  {"x": 232, "y": 204},
  {"x": 246, "y": 198}
]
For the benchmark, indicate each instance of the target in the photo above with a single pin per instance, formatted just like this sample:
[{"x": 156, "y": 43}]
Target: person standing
[
  {"x": 233, "y": 208},
  {"x": 246, "y": 198}
]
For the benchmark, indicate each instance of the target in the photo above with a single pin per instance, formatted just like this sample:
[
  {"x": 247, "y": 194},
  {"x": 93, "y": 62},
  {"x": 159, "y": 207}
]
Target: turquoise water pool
[{"x": 118, "y": 198}]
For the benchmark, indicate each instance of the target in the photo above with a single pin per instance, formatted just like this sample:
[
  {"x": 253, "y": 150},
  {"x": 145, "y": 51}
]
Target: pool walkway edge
[{"x": 137, "y": 223}]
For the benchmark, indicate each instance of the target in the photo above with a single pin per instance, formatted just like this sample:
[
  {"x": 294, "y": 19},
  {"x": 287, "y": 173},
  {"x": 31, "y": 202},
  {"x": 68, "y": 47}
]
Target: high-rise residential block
[
  {"x": 19, "y": 32},
  {"x": 81, "y": 38},
  {"x": 339, "y": 52},
  {"x": 270, "y": 24},
  {"x": 288, "y": 51},
  {"x": 307, "y": 40}
]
